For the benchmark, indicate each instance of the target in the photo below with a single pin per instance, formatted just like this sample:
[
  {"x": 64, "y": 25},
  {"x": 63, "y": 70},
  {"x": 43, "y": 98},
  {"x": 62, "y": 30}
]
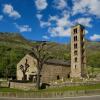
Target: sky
[{"x": 50, "y": 20}]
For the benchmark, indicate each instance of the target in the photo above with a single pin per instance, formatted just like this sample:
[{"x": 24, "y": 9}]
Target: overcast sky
[{"x": 50, "y": 19}]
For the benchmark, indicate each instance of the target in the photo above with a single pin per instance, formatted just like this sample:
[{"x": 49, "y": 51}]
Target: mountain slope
[{"x": 13, "y": 48}]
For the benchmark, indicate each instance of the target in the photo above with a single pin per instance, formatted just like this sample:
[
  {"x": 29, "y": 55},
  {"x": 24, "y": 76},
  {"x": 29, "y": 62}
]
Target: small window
[
  {"x": 75, "y": 30},
  {"x": 75, "y": 45},
  {"x": 58, "y": 77},
  {"x": 75, "y": 38},
  {"x": 75, "y": 52},
  {"x": 75, "y": 59},
  {"x": 75, "y": 66},
  {"x": 68, "y": 75}
]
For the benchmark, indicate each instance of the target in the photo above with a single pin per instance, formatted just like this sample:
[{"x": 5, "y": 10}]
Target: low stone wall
[
  {"x": 73, "y": 84},
  {"x": 49, "y": 94},
  {"x": 31, "y": 86},
  {"x": 4, "y": 84},
  {"x": 22, "y": 86}
]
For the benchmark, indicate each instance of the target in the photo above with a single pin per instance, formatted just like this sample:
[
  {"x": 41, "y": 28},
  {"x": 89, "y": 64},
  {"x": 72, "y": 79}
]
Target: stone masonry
[{"x": 78, "y": 55}]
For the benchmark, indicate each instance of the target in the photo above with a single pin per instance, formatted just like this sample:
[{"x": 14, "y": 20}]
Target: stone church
[
  {"x": 52, "y": 70},
  {"x": 55, "y": 69}
]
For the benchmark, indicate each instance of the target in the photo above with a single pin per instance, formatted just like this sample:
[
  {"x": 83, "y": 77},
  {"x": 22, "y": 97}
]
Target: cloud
[
  {"x": 84, "y": 21},
  {"x": 60, "y": 4},
  {"x": 59, "y": 32},
  {"x": 60, "y": 21},
  {"x": 63, "y": 21},
  {"x": 53, "y": 18},
  {"x": 87, "y": 7},
  {"x": 95, "y": 37},
  {"x": 63, "y": 24},
  {"x": 44, "y": 24},
  {"x": 56, "y": 26},
  {"x": 61, "y": 27},
  {"x": 45, "y": 37},
  {"x": 23, "y": 28},
  {"x": 86, "y": 32},
  {"x": 39, "y": 16},
  {"x": 41, "y": 4},
  {"x": 1, "y": 17},
  {"x": 8, "y": 9}
]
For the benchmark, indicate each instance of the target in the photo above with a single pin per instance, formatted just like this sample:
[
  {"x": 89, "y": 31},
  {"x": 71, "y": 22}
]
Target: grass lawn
[
  {"x": 96, "y": 70},
  {"x": 60, "y": 89},
  {"x": 74, "y": 88},
  {"x": 5, "y": 89}
]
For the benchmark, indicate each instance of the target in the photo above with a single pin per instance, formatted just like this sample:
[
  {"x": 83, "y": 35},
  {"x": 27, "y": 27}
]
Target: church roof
[
  {"x": 58, "y": 62},
  {"x": 78, "y": 25}
]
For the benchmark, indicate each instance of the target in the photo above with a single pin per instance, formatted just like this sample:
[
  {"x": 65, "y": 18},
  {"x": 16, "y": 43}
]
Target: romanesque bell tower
[{"x": 78, "y": 57}]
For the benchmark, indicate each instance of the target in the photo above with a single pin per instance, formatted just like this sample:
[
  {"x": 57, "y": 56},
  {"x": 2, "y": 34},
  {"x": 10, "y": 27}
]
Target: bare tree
[
  {"x": 40, "y": 52},
  {"x": 24, "y": 69}
]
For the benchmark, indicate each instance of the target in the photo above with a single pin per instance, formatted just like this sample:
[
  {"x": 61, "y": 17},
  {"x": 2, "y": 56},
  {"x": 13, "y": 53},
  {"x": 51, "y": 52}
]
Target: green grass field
[
  {"x": 74, "y": 88},
  {"x": 5, "y": 89}
]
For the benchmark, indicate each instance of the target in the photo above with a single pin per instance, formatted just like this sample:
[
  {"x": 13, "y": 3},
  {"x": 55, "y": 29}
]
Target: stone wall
[
  {"x": 78, "y": 55},
  {"x": 32, "y": 86},
  {"x": 32, "y": 67},
  {"x": 4, "y": 84},
  {"x": 22, "y": 86},
  {"x": 52, "y": 72},
  {"x": 57, "y": 85}
]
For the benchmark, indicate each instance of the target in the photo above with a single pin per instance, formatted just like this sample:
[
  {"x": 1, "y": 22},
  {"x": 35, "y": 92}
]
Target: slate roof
[{"x": 58, "y": 62}]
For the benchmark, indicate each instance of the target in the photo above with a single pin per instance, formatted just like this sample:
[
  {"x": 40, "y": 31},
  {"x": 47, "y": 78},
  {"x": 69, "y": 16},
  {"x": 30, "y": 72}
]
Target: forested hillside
[{"x": 13, "y": 47}]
